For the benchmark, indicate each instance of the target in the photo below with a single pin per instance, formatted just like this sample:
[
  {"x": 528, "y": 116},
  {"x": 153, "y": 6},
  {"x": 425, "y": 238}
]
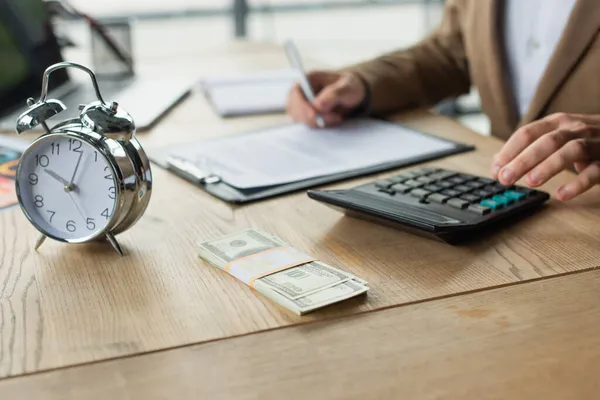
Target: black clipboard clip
[{"x": 190, "y": 171}]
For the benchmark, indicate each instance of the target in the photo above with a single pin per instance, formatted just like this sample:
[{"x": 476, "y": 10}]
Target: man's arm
[{"x": 432, "y": 70}]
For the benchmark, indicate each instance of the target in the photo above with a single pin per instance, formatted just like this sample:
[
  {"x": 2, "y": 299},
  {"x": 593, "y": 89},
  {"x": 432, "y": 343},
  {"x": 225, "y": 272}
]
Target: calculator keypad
[{"x": 469, "y": 193}]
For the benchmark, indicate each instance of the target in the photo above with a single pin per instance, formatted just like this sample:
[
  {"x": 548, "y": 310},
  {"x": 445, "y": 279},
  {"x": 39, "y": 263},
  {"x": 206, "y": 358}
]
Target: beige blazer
[{"x": 467, "y": 49}]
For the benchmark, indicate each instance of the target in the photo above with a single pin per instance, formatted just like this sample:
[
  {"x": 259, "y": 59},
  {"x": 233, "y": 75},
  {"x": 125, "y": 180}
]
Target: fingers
[
  {"x": 299, "y": 108},
  {"x": 302, "y": 111},
  {"x": 344, "y": 94},
  {"x": 332, "y": 119},
  {"x": 332, "y": 96},
  {"x": 587, "y": 178},
  {"x": 329, "y": 98},
  {"x": 535, "y": 154},
  {"x": 520, "y": 140},
  {"x": 578, "y": 152},
  {"x": 580, "y": 166},
  {"x": 336, "y": 94},
  {"x": 320, "y": 79}
]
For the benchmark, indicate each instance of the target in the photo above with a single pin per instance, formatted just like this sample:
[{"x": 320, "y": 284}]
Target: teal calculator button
[
  {"x": 512, "y": 194},
  {"x": 502, "y": 200},
  {"x": 491, "y": 204}
]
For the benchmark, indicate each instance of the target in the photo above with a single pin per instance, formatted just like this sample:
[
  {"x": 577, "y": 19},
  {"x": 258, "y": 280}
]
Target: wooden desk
[
  {"x": 529, "y": 341},
  {"x": 71, "y": 305}
]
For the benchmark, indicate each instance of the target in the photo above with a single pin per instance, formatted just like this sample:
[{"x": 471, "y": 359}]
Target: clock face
[{"x": 67, "y": 188}]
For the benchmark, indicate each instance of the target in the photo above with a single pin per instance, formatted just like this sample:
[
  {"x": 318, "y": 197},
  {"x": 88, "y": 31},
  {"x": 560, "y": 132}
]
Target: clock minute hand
[{"x": 70, "y": 185}]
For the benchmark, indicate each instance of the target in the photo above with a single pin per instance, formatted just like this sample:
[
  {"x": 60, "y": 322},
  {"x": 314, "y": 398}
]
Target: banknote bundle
[{"x": 290, "y": 278}]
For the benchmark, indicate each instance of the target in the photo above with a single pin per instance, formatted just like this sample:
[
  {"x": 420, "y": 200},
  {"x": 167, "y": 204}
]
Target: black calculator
[{"x": 434, "y": 202}]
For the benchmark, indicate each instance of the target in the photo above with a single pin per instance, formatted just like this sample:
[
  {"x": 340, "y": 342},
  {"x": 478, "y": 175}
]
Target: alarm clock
[{"x": 87, "y": 178}]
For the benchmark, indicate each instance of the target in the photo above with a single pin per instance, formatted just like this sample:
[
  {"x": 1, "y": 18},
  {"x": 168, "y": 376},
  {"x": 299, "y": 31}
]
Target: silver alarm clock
[{"x": 86, "y": 178}]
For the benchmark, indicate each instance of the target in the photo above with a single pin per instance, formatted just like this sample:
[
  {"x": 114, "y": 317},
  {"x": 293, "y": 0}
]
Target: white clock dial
[{"x": 67, "y": 188}]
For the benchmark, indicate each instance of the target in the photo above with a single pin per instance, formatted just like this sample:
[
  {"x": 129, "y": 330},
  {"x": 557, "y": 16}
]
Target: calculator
[{"x": 438, "y": 203}]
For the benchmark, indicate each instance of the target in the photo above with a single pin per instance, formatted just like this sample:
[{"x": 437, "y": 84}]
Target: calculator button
[
  {"x": 400, "y": 188},
  {"x": 474, "y": 184},
  {"x": 525, "y": 191},
  {"x": 445, "y": 184},
  {"x": 501, "y": 199},
  {"x": 420, "y": 193},
  {"x": 384, "y": 183},
  {"x": 428, "y": 170},
  {"x": 425, "y": 179},
  {"x": 401, "y": 177},
  {"x": 462, "y": 188},
  {"x": 466, "y": 177},
  {"x": 471, "y": 198},
  {"x": 456, "y": 180},
  {"x": 479, "y": 209},
  {"x": 451, "y": 192},
  {"x": 437, "y": 176},
  {"x": 512, "y": 194},
  {"x": 482, "y": 193},
  {"x": 413, "y": 183},
  {"x": 491, "y": 204},
  {"x": 493, "y": 189},
  {"x": 433, "y": 188},
  {"x": 502, "y": 187},
  {"x": 437, "y": 198},
  {"x": 458, "y": 203},
  {"x": 397, "y": 179},
  {"x": 408, "y": 174},
  {"x": 387, "y": 191},
  {"x": 486, "y": 181},
  {"x": 417, "y": 173},
  {"x": 443, "y": 175}
]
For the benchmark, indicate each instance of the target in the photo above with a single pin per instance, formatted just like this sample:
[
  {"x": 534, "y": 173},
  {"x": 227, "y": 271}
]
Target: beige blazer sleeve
[{"x": 420, "y": 76}]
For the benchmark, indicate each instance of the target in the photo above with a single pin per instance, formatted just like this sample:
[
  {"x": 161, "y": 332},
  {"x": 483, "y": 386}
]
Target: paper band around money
[{"x": 250, "y": 268}]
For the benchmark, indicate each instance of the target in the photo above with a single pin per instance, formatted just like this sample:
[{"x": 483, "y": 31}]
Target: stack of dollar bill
[{"x": 301, "y": 289}]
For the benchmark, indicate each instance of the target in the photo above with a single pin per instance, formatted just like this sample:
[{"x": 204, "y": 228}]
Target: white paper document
[
  {"x": 296, "y": 152},
  {"x": 261, "y": 92}
]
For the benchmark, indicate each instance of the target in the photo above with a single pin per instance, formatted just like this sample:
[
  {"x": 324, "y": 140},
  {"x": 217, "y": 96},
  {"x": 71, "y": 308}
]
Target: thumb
[{"x": 331, "y": 96}]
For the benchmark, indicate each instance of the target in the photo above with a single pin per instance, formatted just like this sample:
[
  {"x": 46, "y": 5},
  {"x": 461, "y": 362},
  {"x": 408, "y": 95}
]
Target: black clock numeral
[
  {"x": 105, "y": 213},
  {"x": 95, "y": 156},
  {"x": 112, "y": 192},
  {"x": 39, "y": 201},
  {"x": 51, "y": 214},
  {"x": 42, "y": 161},
  {"x": 91, "y": 225},
  {"x": 71, "y": 226},
  {"x": 109, "y": 176},
  {"x": 33, "y": 179},
  {"x": 55, "y": 148},
  {"x": 75, "y": 145}
]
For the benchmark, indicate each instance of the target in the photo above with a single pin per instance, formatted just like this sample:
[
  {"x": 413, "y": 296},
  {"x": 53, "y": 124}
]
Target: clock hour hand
[{"x": 58, "y": 178}]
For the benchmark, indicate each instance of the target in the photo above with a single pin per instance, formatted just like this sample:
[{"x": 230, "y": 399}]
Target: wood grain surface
[
  {"x": 71, "y": 304},
  {"x": 536, "y": 340}
]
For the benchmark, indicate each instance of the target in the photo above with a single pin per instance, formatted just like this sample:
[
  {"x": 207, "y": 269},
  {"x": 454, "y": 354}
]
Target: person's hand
[
  {"x": 545, "y": 147},
  {"x": 337, "y": 95}
]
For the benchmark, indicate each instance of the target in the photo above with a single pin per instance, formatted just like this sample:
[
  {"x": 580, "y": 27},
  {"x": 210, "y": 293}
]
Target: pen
[{"x": 294, "y": 58}]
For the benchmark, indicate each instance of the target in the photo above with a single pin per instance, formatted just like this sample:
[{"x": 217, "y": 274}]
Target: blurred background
[
  {"x": 184, "y": 36},
  {"x": 334, "y": 32}
]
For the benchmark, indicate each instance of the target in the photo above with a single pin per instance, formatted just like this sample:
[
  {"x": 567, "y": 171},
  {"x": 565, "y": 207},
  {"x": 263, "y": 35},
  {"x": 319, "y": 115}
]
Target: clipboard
[{"x": 216, "y": 186}]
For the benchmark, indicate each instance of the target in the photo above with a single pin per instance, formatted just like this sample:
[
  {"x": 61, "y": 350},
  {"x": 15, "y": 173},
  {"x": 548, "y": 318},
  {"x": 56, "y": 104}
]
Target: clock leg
[
  {"x": 39, "y": 242},
  {"x": 111, "y": 238}
]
